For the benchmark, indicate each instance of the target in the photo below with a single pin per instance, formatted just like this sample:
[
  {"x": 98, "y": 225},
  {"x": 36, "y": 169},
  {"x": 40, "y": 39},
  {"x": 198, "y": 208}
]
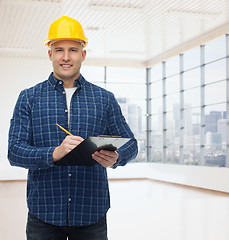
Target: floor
[
  {"x": 152, "y": 210},
  {"x": 141, "y": 210}
]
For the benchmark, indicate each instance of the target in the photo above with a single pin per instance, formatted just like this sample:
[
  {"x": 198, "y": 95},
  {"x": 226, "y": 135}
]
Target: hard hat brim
[{"x": 50, "y": 42}]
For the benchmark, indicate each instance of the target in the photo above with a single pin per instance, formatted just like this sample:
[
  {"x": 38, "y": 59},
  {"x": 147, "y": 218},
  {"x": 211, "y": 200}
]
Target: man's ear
[
  {"x": 50, "y": 54},
  {"x": 84, "y": 53}
]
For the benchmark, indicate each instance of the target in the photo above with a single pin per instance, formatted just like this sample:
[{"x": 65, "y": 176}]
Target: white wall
[
  {"x": 212, "y": 178},
  {"x": 16, "y": 75}
]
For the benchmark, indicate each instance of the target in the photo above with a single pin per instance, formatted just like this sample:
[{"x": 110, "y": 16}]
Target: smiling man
[
  {"x": 67, "y": 57},
  {"x": 66, "y": 202}
]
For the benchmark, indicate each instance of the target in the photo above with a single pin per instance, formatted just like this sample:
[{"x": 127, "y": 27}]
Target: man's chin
[{"x": 67, "y": 77}]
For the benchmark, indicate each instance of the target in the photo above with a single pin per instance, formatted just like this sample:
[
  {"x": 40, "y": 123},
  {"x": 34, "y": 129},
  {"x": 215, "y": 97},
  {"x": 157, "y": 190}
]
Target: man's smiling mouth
[{"x": 66, "y": 65}]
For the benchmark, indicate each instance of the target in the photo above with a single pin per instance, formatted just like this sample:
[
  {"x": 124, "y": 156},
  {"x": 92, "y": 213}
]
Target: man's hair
[{"x": 52, "y": 42}]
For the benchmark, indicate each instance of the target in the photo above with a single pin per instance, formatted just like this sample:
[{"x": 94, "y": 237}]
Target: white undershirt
[{"x": 69, "y": 92}]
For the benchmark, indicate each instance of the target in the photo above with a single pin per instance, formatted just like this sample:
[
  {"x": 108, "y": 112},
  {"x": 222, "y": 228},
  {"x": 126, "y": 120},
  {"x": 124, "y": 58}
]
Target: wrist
[{"x": 55, "y": 155}]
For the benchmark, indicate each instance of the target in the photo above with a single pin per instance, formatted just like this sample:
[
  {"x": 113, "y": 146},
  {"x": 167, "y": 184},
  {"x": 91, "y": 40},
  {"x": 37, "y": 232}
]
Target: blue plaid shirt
[{"x": 66, "y": 195}]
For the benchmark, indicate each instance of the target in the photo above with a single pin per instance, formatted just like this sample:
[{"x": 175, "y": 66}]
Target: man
[{"x": 66, "y": 201}]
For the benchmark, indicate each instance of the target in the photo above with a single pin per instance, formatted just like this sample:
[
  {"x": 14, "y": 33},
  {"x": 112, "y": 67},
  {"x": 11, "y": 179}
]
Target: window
[
  {"x": 192, "y": 58},
  {"x": 215, "y": 49},
  {"x": 172, "y": 66},
  {"x": 191, "y": 78},
  {"x": 188, "y": 122},
  {"x": 156, "y": 73},
  {"x": 188, "y": 107},
  {"x": 129, "y": 88},
  {"x": 173, "y": 84},
  {"x": 215, "y": 71},
  {"x": 93, "y": 74},
  {"x": 215, "y": 93}
]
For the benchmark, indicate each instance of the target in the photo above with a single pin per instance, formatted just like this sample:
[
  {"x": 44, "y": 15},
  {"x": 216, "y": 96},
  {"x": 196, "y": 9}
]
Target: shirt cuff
[{"x": 47, "y": 156}]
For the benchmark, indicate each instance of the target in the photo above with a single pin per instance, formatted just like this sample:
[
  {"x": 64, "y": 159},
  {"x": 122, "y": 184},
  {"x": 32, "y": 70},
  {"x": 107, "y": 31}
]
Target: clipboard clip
[{"x": 111, "y": 136}]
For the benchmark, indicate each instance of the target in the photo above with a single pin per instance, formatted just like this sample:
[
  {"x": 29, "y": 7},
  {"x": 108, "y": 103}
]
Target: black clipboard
[{"x": 81, "y": 154}]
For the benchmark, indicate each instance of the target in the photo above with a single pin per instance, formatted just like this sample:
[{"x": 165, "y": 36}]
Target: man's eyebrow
[
  {"x": 58, "y": 48},
  {"x": 74, "y": 48},
  {"x": 68, "y": 48}
]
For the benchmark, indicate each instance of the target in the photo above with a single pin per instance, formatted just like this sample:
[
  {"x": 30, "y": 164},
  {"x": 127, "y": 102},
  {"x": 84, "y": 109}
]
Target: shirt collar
[{"x": 56, "y": 83}]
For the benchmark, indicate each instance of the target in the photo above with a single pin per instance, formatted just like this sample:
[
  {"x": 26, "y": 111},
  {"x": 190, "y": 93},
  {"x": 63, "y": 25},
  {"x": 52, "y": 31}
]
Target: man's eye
[{"x": 58, "y": 50}]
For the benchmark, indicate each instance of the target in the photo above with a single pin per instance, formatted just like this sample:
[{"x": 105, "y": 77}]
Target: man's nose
[{"x": 66, "y": 56}]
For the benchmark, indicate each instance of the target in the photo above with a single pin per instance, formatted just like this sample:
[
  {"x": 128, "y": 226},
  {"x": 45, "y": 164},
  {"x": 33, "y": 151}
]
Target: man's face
[{"x": 67, "y": 57}]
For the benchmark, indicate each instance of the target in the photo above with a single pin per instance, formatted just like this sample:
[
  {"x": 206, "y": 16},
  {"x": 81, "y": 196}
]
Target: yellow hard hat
[{"x": 66, "y": 28}]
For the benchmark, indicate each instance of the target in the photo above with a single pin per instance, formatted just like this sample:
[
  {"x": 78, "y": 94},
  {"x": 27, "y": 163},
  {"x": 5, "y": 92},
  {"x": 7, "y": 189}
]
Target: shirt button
[
  {"x": 69, "y": 174},
  {"x": 60, "y": 82},
  {"x": 63, "y": 92},
  {"x": 69, "y": 199},
  {"x": 66, "y": 110}
]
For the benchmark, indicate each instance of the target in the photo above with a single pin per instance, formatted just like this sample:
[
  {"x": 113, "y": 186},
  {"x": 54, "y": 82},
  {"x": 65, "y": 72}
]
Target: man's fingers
[
  {"x": 105, "y": 158},
  {"x": 69, "y": 143},
  {"x": 72, "y": 141}
]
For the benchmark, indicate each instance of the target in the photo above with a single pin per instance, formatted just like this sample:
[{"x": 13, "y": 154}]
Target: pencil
[{"x": 64, "y": 129}]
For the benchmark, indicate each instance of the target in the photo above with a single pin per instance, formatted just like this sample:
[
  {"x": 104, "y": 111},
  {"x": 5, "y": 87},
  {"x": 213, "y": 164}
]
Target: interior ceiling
[{"x": 136, "y": 33}]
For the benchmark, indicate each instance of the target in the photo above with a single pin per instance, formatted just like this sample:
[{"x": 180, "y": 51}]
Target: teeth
[{"x": 65, "y": 65}]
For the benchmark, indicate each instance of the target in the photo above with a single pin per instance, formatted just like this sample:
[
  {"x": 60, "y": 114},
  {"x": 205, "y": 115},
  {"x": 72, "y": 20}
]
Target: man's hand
[
  {"x": 69, "y": 143},
  {"x": 105, "y": 158}
]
